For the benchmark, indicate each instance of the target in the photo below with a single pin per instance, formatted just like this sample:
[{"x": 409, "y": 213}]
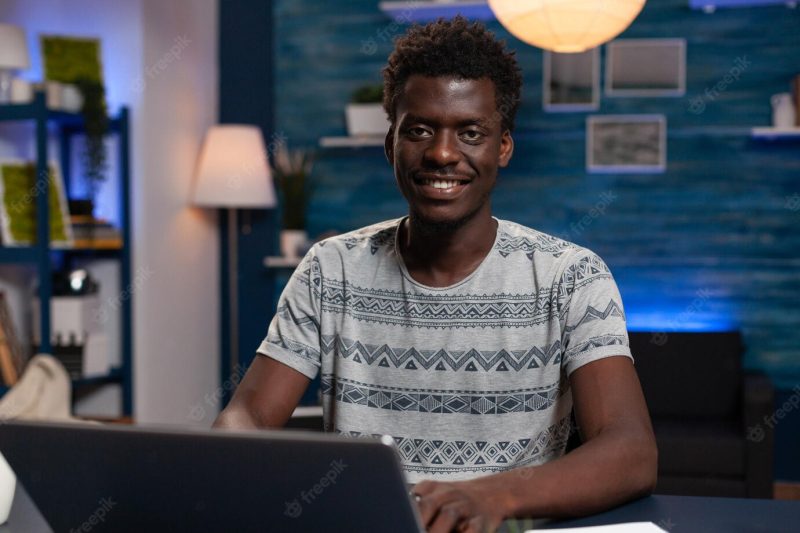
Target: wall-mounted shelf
[
  {"x": 768, "y": 133},
  {"x": 351, "y": 142},
  {"x": 709, "y": 6},
  {"x": 408, "y": 12},
  {"x": 281, "y": 262}
]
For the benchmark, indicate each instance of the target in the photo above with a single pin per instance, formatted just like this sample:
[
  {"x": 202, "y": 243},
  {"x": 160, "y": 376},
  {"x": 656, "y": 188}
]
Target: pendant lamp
[{"x": 566, "y": 26}]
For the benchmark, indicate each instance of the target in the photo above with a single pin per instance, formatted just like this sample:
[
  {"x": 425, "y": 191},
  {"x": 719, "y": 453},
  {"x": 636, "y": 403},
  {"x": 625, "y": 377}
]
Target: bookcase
[{"x": 42, "y": 257}]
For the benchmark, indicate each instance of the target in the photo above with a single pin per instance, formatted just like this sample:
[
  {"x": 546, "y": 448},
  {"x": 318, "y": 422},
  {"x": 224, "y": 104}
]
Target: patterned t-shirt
[{"x": 469, "y": 379}]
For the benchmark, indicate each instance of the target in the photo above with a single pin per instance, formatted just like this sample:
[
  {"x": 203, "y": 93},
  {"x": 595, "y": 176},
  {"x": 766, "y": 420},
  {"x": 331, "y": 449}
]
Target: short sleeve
[
  {"x": 591, "y": 315},
  {"x": 293, "y": 337}
]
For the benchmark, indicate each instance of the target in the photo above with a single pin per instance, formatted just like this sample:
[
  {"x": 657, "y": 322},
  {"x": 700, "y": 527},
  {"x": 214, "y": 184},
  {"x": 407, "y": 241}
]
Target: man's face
[{"x": 446, "y": 146}]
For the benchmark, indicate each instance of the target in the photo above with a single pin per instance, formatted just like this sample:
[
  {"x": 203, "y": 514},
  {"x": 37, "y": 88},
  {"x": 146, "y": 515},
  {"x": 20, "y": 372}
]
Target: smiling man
[{"x": 470, "y": 340}]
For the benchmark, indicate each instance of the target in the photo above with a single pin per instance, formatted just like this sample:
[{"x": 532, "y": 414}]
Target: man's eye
[
  {"x": 472, "y": 135},
  {"x": 417, "y": 132}
]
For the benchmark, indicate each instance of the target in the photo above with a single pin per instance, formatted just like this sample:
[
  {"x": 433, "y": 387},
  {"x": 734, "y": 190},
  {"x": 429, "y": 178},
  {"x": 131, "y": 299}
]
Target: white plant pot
[
  {"x": 292, "y": 242},
  {"x": 366, "y": 119},
  {"x": 8, "y": 483}
]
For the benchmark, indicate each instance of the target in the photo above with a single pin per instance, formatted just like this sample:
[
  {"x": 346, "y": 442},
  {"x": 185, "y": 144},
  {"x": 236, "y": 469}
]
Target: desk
[
  {"x": 689, "y": 514},
  {"x": 681, "y": 514}
]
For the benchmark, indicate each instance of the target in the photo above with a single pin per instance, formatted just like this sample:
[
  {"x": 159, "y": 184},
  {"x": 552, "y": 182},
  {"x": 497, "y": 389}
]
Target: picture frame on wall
[
  {"x": 646, "y": 68},
  {"x": 571, "y": 82},
  {"x": 18, "y": 192},
  {"x": 626, "y": 144}
]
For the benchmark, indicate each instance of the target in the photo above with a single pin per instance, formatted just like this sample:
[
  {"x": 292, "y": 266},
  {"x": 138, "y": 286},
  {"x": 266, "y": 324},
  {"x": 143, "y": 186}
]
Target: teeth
[{"x": 441, "y": 184}]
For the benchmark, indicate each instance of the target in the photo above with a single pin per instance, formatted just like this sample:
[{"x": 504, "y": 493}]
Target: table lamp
[
  {"x": 233, "y": 173},
  {"x": 13, "y": 56}
]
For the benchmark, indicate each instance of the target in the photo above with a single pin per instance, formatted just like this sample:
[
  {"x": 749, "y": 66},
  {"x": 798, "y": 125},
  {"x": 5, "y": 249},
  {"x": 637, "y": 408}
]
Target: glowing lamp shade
[
  {"x": 13, "y": 48},
  {"x": 566, "y": 26},
  {"x": 232, "y": 170}
]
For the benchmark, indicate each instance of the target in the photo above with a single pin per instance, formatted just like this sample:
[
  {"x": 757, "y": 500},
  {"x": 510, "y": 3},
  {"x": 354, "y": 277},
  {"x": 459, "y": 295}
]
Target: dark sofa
[{"x": 710, "y": 417}]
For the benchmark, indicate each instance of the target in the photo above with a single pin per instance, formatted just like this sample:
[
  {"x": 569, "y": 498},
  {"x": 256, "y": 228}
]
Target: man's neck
[{"x": 439, "y": 258}]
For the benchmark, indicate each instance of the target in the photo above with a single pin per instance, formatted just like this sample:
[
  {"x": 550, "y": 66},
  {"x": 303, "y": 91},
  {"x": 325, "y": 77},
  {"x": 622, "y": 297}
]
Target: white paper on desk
[{"x": 630, "y": 527}]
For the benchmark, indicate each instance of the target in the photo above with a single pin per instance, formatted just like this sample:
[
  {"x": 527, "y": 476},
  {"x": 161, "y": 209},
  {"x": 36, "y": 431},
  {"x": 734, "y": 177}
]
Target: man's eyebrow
[{"x": 473, "y": 121}]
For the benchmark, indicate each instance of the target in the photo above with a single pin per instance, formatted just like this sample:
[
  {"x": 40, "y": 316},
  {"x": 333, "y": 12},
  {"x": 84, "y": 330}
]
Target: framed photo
[
  {"x": 71, "y": 59},
  {"x": 18, "y": 192},
  {"x": 571, "y": 82},
  {"x": 646, "y": 67},
  {"x": 626, "y": 143}
]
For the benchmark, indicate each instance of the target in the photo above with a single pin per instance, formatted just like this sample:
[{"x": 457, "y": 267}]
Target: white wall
[
  {"x": 177, "y": 309},
  {"x": 160, "y": 58}
]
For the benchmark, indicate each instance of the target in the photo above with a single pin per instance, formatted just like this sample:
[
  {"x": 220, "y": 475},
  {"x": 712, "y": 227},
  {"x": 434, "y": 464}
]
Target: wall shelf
[
  {"x": 770, "y": 134},
  {"x": 351, "y": 142},
  {"x": 281, "y": 262},
  {"x": 407, "y": 12},
  {"x": 709, "y": 6}
]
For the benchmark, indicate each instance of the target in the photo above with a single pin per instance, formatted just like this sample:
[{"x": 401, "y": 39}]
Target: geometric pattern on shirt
[
  {"x": 443, "y": 402},
  {"x": 411, "y": 358},
  {"x": 384, "y": 237},
  {"x": 305, "y": 321},
  {"x": 309, "y": 352},
  {"x": 508, "y": 244},
  {"x": 591, "y": 314},
  {"x": 597, "y": 342},
  {"x": 586, "y": 270},
  {"x": 431, "y": 310},
  {"x": 446, "y": 456}
]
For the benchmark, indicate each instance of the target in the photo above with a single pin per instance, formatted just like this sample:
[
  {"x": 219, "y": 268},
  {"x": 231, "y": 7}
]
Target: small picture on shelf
[{"x": 18, "y": 192}]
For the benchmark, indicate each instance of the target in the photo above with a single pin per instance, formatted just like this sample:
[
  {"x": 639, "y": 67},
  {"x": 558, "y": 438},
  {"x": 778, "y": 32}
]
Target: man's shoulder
[
  {"x": 547, "y": 253},
  {"x": 370, "y": 240},
  {"x": 514, "y": 237}
]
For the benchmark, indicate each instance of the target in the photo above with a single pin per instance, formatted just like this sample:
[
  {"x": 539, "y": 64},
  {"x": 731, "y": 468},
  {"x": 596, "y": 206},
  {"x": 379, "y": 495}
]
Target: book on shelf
[{"x": 90, "y": 232}]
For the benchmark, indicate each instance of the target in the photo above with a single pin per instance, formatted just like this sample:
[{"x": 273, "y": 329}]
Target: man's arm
[
  {"x": 616, "y": 463},
  {"x": 266, "y": 397}
]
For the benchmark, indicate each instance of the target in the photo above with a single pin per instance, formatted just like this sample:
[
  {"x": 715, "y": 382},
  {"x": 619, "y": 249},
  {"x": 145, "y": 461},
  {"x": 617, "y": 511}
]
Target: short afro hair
[{"x": 454, "y": 48}]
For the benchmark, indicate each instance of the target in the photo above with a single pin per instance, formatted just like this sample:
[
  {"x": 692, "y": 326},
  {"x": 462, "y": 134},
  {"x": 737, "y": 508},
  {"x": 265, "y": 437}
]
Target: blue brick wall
[{"x": 710, "y": 244}]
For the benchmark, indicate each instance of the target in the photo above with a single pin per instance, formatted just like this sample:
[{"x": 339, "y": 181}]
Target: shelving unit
[
  {"x": 709, "y": 6},
  {"x": 42, "y": 256}
]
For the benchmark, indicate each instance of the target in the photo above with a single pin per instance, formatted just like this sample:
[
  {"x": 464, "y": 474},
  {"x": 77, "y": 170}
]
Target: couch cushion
[
  {"x": 700, "y": 448},
  {"x": 695, "y": 374}
]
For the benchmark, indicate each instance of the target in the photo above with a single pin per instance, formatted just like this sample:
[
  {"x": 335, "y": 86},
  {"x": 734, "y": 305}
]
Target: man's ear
[
  {"x": 388, "y": 145},
  {"x": 506, "y": 149}
]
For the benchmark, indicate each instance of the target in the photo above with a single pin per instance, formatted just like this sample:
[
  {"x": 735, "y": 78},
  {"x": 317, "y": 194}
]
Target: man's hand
[{"x": 463, "y": 506}]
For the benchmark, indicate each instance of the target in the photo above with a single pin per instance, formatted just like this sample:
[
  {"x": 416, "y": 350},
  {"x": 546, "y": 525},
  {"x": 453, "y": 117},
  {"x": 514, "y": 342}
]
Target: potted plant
[
  {"x": 365, "y": 114},
  {"x": 292, "y": 178}
]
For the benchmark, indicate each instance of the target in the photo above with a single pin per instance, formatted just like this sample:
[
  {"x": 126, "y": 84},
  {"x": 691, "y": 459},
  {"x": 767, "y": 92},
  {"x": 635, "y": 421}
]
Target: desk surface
[{"x": 681, "y": 514}]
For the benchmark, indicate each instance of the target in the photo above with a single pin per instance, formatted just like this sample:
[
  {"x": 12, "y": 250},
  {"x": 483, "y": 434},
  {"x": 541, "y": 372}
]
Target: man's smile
[{"x": 441, "y": 187}]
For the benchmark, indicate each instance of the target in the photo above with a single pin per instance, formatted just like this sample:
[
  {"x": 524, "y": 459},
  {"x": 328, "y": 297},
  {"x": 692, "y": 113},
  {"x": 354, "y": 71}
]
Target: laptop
[{"x": 126, "y": 478}]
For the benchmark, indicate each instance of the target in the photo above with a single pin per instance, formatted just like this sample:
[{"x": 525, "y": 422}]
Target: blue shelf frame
[{"x": 41, "y": 255}]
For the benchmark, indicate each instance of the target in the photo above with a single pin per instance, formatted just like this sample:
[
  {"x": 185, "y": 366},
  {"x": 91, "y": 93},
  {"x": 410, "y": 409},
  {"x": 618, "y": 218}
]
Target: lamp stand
[{"x": 233, "y": 292}]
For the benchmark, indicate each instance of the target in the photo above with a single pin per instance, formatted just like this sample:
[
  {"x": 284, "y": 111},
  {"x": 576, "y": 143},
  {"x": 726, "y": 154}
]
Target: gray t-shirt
[{"x": 469, "y": 379}]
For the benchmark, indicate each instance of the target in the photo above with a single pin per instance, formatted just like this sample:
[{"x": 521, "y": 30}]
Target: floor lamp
[{"x": 233, "y": 173}]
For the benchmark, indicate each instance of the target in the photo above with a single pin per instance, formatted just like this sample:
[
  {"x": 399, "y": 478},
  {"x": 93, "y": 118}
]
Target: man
[{"x": 469, "y": 339}]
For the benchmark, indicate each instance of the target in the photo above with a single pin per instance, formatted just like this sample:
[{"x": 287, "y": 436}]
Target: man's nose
[{"x": 443, "y": 150}]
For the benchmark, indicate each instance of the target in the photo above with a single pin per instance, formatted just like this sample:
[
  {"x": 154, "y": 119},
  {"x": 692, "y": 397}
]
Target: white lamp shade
[
  {"x": 232, "y": 170},
  {"x": 13, "y": 47},
  {"x": 566, "y": 26}
]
